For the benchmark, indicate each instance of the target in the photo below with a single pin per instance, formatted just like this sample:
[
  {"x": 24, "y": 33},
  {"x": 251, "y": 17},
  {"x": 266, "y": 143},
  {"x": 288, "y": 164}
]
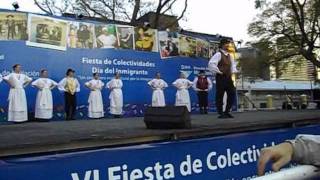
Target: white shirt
[
  {"x": 114, "y": 84},
  {"x": 95, "y": 84},
  {"x": 157, "y": 84},
  {"x": 44, "y": 83},
  {"x": 17, "y": 80},
  {"x": 194, "y": 85},
  {"x": 182, "y": 83},
  {"x": 63, "y": 82},
  {"x": 216, "y": 58},
  {"x": 108, "y": 41}
]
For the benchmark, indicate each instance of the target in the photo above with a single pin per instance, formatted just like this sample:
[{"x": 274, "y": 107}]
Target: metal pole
[{"x": 311, "y": 90}]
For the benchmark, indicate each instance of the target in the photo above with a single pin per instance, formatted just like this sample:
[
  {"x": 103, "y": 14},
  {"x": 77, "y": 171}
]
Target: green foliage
[
  {"x": 256, "y": 64},
  {"x": 291, "y": 26}
]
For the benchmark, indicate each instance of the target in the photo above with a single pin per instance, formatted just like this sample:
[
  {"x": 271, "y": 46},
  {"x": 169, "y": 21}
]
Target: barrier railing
[{"x": 297, "y": 173}]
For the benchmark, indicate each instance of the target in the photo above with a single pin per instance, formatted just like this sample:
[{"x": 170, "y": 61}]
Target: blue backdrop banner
[
  {"x": 226, "y": 157},
  {"x": 136, "y": 67}
]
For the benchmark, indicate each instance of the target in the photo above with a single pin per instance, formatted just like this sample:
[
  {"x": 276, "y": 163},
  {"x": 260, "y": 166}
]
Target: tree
[
  {"x": 293, "y": 27},
  {"x": 54, "y": 7},
  {"x": 115, "y": 10},
  {"x": 254, "y": 62}
]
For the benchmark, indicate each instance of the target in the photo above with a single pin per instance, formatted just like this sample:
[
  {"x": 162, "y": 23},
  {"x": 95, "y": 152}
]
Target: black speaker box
[{"x": 169, "y": 117}]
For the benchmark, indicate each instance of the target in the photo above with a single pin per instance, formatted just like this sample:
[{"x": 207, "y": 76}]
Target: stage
[{"x": 62, "y": 136}]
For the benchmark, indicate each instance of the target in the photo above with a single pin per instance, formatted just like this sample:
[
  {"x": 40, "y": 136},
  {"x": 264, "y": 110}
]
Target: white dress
[
  {"x": 182, "y": 95},
  {"x": 44, "y": 102},
  {"x": 95, "y": 108},
  {"x": 116, "y": 97},
  {"x": 17, "y": 110},
  {"x": 158, "y": 99}
]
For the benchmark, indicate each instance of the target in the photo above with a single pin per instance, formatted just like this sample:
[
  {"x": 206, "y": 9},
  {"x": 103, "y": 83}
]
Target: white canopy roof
[{"x": 277, "y": 85}]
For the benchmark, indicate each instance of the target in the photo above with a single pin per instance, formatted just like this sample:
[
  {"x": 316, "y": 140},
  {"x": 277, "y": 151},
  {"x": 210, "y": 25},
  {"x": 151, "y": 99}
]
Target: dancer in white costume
[
  {"x": 17, "y": 110},
  {"x": 158, "y": 85},
  {"x": 116, "y": 96},
  {"x": 182, "y": 96},
  {"x": 44, "y": 102},
  {"x": 95, "y": 109}
]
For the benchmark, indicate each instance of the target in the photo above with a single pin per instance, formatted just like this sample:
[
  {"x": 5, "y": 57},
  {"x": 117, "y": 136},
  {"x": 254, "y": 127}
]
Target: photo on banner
[
  {"x": 214, "y": 48},
  {"x": 203, "y": 47},
  {"x": 47, "y": 32},
  {"x": 146, "y": 39},
  {"x": 13, "y": 26},
  {"x": 125, "y": 35},
  {"x": 168, "y": 44},
  {"x": 187, "y": 46},
  {"x": 106, "y": 36},
  {"x": 81, "y": 35}
]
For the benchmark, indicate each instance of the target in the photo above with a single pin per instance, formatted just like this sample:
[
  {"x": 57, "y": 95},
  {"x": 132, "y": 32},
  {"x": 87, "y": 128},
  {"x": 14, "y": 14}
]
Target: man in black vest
[
  {"x": 202, "y": 84},
  {"x": 223, "y": 66}
]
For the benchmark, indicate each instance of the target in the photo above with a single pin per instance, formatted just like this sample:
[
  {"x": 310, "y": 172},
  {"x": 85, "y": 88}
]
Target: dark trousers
[
  {"x": 203, "y": 100},
  {"x": 11, "y": 33},
  {"x": 70, "y": 105},
  {"x": 224, "y": 84}
]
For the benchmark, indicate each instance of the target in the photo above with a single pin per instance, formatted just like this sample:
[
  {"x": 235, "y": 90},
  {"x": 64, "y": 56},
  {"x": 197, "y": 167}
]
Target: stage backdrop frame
[{"x": 136, "y": 67}]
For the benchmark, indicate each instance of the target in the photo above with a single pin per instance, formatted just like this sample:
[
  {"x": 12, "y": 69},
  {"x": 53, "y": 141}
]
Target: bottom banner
[{"x": 225, "y": 157}]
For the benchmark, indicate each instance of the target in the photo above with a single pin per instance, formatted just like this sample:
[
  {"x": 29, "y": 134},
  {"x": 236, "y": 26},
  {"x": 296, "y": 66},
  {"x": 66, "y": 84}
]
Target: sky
[{"x": 225, "y": 17}]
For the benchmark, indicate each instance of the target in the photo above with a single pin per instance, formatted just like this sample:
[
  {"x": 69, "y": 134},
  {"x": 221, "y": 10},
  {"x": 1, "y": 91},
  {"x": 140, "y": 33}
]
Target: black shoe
[
  {"x": 206, "y": 111},
  {"x": 201, "y": 111},
  {"x": 222, "y": 116},
  {"x": 228, "y": 115},
  {"x": 19, "y": 122}
]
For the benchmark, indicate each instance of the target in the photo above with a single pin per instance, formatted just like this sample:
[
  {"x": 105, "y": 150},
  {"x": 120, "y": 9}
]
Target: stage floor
[{"x": 57, "y": 136}]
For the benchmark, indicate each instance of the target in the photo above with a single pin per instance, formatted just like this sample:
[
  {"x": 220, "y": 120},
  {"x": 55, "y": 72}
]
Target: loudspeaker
[{"x": 169, "y": 117}]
